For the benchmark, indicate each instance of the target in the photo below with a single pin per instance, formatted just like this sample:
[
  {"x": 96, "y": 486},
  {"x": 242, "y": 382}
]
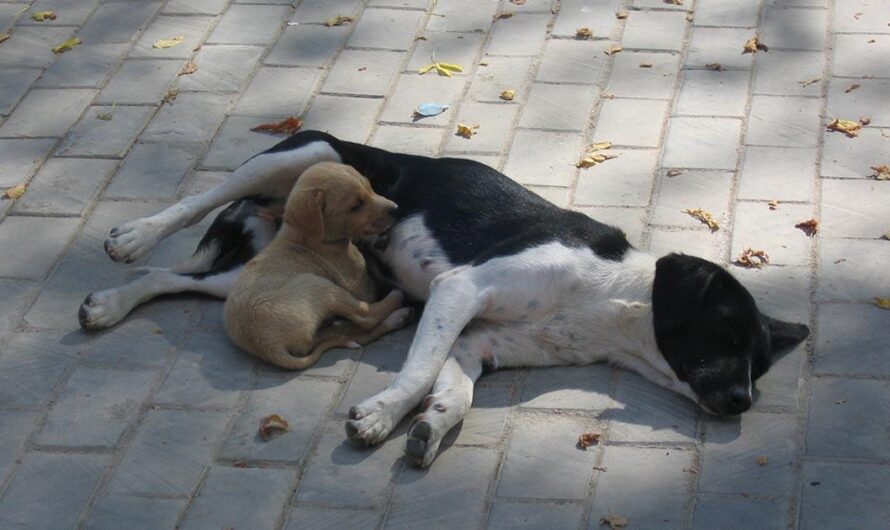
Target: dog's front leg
[{"x": 455, "y": 298}]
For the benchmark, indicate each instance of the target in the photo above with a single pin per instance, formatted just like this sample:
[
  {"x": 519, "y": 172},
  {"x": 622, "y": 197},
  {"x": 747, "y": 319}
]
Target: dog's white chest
[{"x": 414, "y": 257}]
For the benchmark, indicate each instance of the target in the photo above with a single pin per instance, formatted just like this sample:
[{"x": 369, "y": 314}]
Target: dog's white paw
[
  {"x": 369, "y": 425},
  {"x": 423, "y": 442},
  {"x": 131, "y": 241},
  {"x": 102, "y": 309}
]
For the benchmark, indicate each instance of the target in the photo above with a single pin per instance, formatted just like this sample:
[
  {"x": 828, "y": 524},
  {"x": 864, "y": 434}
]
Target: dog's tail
[{"x": 283, "y": 358}]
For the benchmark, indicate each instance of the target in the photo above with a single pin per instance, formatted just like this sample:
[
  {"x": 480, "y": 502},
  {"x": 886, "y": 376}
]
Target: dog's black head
[{"x": 711, "y": 333}]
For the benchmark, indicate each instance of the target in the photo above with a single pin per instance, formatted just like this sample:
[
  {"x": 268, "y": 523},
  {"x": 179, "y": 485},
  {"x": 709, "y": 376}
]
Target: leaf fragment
[
  {"x": 517, "y": 2},
  {"x": 272, "y": 424},
  {"x": 809, "y": 82},
  {"x": 583, "y": 33},
  {"x": 338, "y": 20},
  {"x": 645, "y": 65},
  {"x": 864, "y": 120},
  {"x": 503, "y": 14},
  {"x": 594, "y": 155},
  {"x": 289, "y": 125},
  {"x": 674, "y": 2},
  {"x": 851, "y": 88},
  {"x": 466, "y": 131},
  {"x": 883, "y": 303},
  {"x": 773, "y": 204},
  {"x": 762, "y": 460},
  {"x": 425, "y": 110},
  {"x": 587, "y": 439},
  {"x": 15, "y": 192},
  {"x": 445, "y": 69},
  {"x": 66, "y": 46},
  {"x": 4, "y": 37},
  {"x": 716, "y": 67},
  {"x": 886, "y": 236},
  {"x": 189, "y": 68},
  {"x": 753, "y": 45},
  {"x": 614, "y": 521},
  {"x": 809, "y": 227},
  {"x": 170, "y": 96},
  {"x": 752, "y": 258},
  {"x": 508, "y": 95},
  {"x": 621, "y": 15},
  {"x": 168, "y": 43},
  {"x": 43, "y": 16},
  {"x": 612, "y": 50},
  {"x": 674, "y": 172},
  {"x": 848, "y": 127},
  {"x": 882, "y": 172},
  {"x": 704, "y": 216}
]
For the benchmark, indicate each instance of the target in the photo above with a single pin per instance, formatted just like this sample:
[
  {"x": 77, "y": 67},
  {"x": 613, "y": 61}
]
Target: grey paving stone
[
  {"x": 510, "y": 515},
  {"x": 46, "y": 112},
  {"x": 560, "y": 107},
  {"x": 726, "y": 13},
  {"x": 773, "y": 231},
  {"x": 194, "y": 7},
  {"x": 838, "y": 495},
  {"x": 65, "y": 186},
  {"x": 169, "y": 453},
  {"x": 650, "y": 4},
  {"x": 240, "y": 498},
  {"x": 458, "y": 48},
  {"x": 112, "y": 138},
  {"x": 209, "y": 371},
  {"x": 221, "y": 68},
  {"x": 14, "y": 83},
  {"x": 95, "y": 407},
  {"x": 249, "y": 24},
  {"x": 460, "y": 492},
  {"x": 844, "y": 158},
  {"x": 719, "y": 45},
  {"x": 855, "y": 56},
  {"x": 789, "y": 73},
  {"x": 654, "y": 30},
  {"x": 305, "y": 45},
  {"x": 32, "y": 47},
  {"x": 191, "y": 28},
  {"x": 798, "y": 29},
  {"x": 839, "y": 407},
  {"x": 859, "y": 17},
  {"x": 299, "y": 401},
  {"x": 330, "y": 519},
  {"x": 496, "y": 124},
  {"x": 377, "y": 366},
  {"x": 50, "y": 490},
  {"x": 786, "y": 122},
  {"x": 779, "y": 291},
  {"x": 235, "y": 142},
  {"x": 193, "y": 117},
  {"x": 521, "y": 34},
  {"x": 739, "y": 513},
  {"x": 119, "y": 22},
  {"x": 140, "y": 82},
  {"x": 385, "y": 28},
  {"x": 15, "y": 426},
  {"x": 632, "y": 221},
  {"x": 346, "y": 118},
  {"x": 778, "y": 173},
  {"x": 629, "y": 80},
  {"x": 593, "y": 14},
  {"x": 852, "y": 269},
  {"x": 867, "y": 220},
  {"x": 39, "y": 241},
  {"x": 15, "y": 295},
  {"x": 135, "y": 513},
  {"x": 573, "y": 387},
  {"x": 631, "y": 122},
  {"x": 500, "y": 74},
  {"x": 732, "y": 447},
  {"x": 408, "y": 140},
  {"x": 68, "y": 13},
  {"x": 709, "y": 190},
  {"x": 572, "y": 61},
  {"x": 701, "y": 243},
  {"x": 379, "y": 69},
  {"x": 705, "y": 143},
  {"x": 32, "y": 363},
  {"x": 846, "y": 331},
  {"x": 412, "y": 90},
  {"x": 19, "y": 157},
  {"x": 409, "y": 4},
  {"x": 867, "y": 100},
  {"x": 343, "y": 475},
  {"x": 89, "y": 67},
  {"x": 8, "y": 15},
  {"x": 461, "y": 15},
  {"x": 153, "y": 171},
  {"x": 484, "y": 423},
  {"x": 543, "y": 461},
  {"x": 646, "y": 412},
  {"x": 557, "y": 169},
  {"x": 320, "y": 10},
  {"x": 657, "y": 501},
  {"x": 710, "y": 93}
]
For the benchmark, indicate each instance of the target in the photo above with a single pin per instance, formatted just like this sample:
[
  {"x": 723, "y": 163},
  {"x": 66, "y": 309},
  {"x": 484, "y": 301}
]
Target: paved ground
[{"x": 152, "y": 425}]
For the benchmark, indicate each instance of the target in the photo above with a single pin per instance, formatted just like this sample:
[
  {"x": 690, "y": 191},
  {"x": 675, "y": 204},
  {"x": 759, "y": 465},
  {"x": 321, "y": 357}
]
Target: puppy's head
[
  {"x": 711, "y": 333},
  {"x": 334, "y": 202}
]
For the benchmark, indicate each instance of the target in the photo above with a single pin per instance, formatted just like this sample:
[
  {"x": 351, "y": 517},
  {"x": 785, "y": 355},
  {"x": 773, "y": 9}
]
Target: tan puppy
[{"x": 282, "y": 303}]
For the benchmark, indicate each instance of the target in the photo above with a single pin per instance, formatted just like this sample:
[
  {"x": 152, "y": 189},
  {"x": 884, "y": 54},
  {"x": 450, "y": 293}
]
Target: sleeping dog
[{"x": 508, "y": 278}]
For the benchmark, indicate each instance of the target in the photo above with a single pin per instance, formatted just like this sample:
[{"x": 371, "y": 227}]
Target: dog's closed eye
[{"x": 357, "y": 206}]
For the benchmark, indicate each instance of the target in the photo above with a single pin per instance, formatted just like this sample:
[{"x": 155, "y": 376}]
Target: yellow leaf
[
  {"x": 883, "y": 303},
  {"x": 42, "y": 16},
  {"x": 467, "y": 131},
  {"x": 583, "y": 33},
  {"x": 703, "y": 216},
  {"x": 168, "y": 43},
  {"x": 753, "y": 45},
  {"x": 451, "y": 66},
  {"x": 508, "y": 95},
  {"x": 601, "y": 145},
  {"x": 338, "y": 20},
  {"x": 16, "y": 192},
  {"x": 443, "y": 69},
  {"x": 848, "y": 127},
  {"x": 426, "y": 68},
  {"x": 67, "y": 45},
  {"x": 4, "y": 37},
  {"x": 612, "y": 50},
  {"x": 773, "y": 204}
]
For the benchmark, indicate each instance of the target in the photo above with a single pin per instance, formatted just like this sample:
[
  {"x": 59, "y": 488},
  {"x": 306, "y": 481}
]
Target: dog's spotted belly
[{"x": 414, "y": 257}]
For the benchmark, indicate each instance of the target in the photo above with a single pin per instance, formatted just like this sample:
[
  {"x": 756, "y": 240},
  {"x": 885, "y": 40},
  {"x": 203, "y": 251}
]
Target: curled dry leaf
[
  {"x": 66, "y": 46},
  {"x": 886, "y": 236},
  {"x": 272, "y": 424},
  {"x": 809, "y": 227},
  {"x": 106, "y": 116},
  {"x": 338, "y": 20},
  {"x": 881, "y": 172},
  {"x": 168, "y": 43},
  {"x": 614, "y": 521},
  {"x": 645, "y": 65},
  {"x": 762, "y": 460},
  {"x": 612, "y": 50},
  {"x": 15, "y": 192},
  {"x": 753, "y": 45},
  {"x": 851, "y": 88},
  {"x": 4, "y": 37},
  {"x": 583, "y": 33},
  {"x": 883, "y": 303},
  {"x": 587, "y": 439},
  {"x": 170, "y": 96},
  {"x": 189, "y": 68},
  {"x": 289, "y": 125},
  {"x": 773, "y": 204},
  {"x": 466, "y": 131},
  {"x": 717, "y": 67},
  {"x": 674, "y": 172},
  {"x": 594, "y": 155},
  {"x": 621, "y": 15},
  {"x": 674, "y": 2},
  {"x": 445, "y": 69},
  {"x": 703, "y": 216},
  {"x": 503, "y": 14},
  {"x": 809, "y": 82},
  {"x": 753, "y": 259},
  {"x": 43, "y": 16},
  {"x": 848, "y": 127},
  {"x": 508, "y": 95}
]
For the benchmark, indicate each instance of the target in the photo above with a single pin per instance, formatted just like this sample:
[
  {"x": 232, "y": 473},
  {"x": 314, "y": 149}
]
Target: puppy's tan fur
[{"x": 312, "y": 272}]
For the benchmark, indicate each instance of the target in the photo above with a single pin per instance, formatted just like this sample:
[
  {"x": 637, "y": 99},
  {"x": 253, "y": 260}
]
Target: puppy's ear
[
  {"x": 784, "y": 335},
  {"x": 680, "y": 289},
  {"x": 305, "y": 213}
]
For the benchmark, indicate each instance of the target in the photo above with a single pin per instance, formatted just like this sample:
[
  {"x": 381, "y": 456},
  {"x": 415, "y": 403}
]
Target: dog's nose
[{"x": 738, "y": 400}]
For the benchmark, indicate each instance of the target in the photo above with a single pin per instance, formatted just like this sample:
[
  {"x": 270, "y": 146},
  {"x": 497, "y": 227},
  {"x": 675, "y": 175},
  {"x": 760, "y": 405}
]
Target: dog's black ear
[
  {"x": 305, "y": 212},
  {"x": 784, "y": 335},
  {"x": 680, "y": 289}
]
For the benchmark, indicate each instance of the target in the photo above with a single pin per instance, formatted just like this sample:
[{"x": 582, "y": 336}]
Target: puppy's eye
[{"x": 357, "y": 206}]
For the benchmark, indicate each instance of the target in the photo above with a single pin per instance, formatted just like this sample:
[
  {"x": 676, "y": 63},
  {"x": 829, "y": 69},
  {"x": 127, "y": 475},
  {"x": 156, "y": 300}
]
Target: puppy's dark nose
[{"x": 737, "y": 401}]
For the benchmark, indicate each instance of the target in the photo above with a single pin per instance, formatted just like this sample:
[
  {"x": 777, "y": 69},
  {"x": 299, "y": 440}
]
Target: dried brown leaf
[
  {"x": 587, "y": 439},
  {"x": 68, "y": 45},
  {"x": 704, "y": 216},
  {"x": 883, "y": 303},
  {"x": 752, "y": 258},
  {"x": 773, "y": 204},
  {"x": 674, "y": 2},
  {"x": 170, "y": 96},
  {"x": 848, "y": 127},
  {"x": 15, "y": 192},
  {"x": 4, "y": 37},
  {"x": 645, "y": 65},
  {"x": 809, "y": 227},
  {"x": 189, "y": 68},
  {"x": 289, "y": 125},
  {"x": 717, "y": 67},
  {"x": 272, "y": 424},
  {"x": 881, "y": 172},
  {"x": 508, "y": 95},
  {"x": 43, "y": 16},
  {"x": 583, "y": 33},
  {"x": 674, "y": 172},
  {"x": 762, "y": 460},
  {"x": 886, "y": 236},
  {"x": 503, "y": 14},
  {"x": 168, "y": 43},
  {"x": 338, "y": 20},
  {"x": 612, "y": 50},
  {"x": 614, "y": 521},
  {"x": 466, "y": 131},
  {"x": 851, "y": 88},
  {"x": 621, "y": 15},
  {"x": 753, "y": 45}
]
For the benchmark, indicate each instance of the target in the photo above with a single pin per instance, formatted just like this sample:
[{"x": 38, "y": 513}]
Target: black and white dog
[{"x": 508, "y": 278}]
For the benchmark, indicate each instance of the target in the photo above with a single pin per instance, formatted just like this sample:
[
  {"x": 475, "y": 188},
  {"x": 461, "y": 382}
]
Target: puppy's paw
[
  {"x": 396, "y": 297},
  {"x": 369, "y": 425},
  {"x": 131, "y": 241},
  {"x": 421, "y": 446},
  {"x": 399, "y": 318},
  {"x": 101, "y": 310}
]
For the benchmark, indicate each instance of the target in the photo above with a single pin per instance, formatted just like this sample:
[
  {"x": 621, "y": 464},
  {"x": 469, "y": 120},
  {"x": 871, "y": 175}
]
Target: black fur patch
[{"x": 229, "y": 233}]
